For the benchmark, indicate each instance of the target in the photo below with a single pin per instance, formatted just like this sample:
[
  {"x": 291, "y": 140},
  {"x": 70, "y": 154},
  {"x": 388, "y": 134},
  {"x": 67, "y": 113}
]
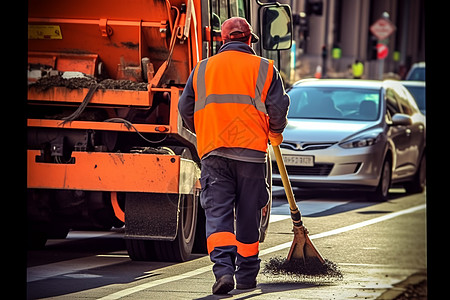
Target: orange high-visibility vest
[{"x": 230, "y": 93}]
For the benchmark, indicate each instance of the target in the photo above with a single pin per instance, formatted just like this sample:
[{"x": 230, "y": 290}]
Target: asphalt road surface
[{"x": 376, "y": 246}]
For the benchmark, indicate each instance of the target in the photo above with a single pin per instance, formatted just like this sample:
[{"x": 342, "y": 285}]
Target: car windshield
[{"x": 336, "y": 103}]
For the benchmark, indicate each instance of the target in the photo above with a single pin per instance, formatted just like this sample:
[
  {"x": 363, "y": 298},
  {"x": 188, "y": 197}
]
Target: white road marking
[
  {"x": 112, "y": 255},
  {"x": 70, "y": 266},
  {"x": 76, "y": 235},
  {"x": 348, "y": 228},
  {"x": 89, "y": 234},
  {"x": 65, "y": 267},
  {"x": 307, "y": 207},
  {"x": 147, "y": 285},
  {"x": 138, "y": 288},
  {"x": 276, "y": 218}
]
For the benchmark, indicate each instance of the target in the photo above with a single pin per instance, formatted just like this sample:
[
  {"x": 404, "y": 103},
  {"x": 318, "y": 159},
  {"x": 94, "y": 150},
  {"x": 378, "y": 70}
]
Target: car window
[
  {"x": 334, "y": 103},
  {"x": 411, "y": 101},
  {"x": 392, "y": 107},
  {"x": 222, "y": 10},
  {"x": 417, "y": 74},
  {"x": 419, "y": 95},
  {"x": 402, "y": 98}
]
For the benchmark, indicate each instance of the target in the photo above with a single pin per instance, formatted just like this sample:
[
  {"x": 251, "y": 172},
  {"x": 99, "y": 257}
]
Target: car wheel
[
  {"x": 382, "y": 191},
  {"x": 417, "y": 185}
]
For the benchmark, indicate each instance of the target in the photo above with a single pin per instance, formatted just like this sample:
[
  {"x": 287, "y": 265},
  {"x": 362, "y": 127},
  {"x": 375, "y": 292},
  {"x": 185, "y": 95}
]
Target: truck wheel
[
  {"x": 180, "y": 249},
  {"x": 200, "y": 246},
  {"x": 177, "y": 250},
  {"x": 140, "y": 249},
  {"x": 36, "y": 237}
]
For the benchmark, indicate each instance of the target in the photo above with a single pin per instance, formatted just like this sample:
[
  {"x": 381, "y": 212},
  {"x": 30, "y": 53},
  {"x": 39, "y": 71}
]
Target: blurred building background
[{"x": 334, "y": 33}]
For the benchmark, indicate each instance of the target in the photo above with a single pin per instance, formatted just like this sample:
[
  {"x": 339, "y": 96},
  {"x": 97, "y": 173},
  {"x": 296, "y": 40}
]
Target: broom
[{"x": 303, "y": 257}]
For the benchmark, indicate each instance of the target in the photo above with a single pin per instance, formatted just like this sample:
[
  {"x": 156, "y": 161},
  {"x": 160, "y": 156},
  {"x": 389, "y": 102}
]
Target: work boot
[{"x": 223, "y": 285}]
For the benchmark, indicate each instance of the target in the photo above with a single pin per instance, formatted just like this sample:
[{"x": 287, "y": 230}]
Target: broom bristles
[{"x": 310, "y": 267}]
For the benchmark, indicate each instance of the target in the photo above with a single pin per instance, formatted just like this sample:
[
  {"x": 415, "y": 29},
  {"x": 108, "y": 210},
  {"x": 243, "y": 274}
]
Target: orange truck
[{"x": 106, "y": 146}]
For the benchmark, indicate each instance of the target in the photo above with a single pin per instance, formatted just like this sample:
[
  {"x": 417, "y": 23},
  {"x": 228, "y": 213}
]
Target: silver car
[
  {"x": 354, "y": 135},
  {"x": 417, "y": 72}
]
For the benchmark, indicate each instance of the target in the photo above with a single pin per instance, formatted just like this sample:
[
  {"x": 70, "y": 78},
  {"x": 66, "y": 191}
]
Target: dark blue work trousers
[{"x": 233, "y": 194}]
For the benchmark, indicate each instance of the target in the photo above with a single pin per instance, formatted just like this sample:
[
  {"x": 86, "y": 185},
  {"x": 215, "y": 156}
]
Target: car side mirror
[
  {"x": 277, "y": 27},
  {"x": 401, "y": 119}
]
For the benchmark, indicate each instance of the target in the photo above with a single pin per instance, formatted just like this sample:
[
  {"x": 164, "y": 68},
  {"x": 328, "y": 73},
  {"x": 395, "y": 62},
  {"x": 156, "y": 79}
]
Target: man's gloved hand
[{"x": 275, "y": 138}]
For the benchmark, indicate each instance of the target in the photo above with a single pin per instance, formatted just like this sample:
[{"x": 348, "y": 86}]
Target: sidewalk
[{"x": 413, "y": 287}]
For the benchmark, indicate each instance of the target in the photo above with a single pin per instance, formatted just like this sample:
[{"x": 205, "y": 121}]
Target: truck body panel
[
  {"x": 106, "y": 171},
  {"x": 106, "y": 145}
]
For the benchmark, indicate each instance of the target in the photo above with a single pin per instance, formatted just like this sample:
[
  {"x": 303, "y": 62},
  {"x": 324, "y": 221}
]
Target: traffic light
[
  {"x": 372, "y": 49},
  {"x": 314, "y": 7},
  {"x": 301, "y": 21}
]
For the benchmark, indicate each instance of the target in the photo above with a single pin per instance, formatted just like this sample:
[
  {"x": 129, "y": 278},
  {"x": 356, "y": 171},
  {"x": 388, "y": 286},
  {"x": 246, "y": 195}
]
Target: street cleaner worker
[
  {"x": 234, "y": 101},
  {"x": 357, "y": 69}
]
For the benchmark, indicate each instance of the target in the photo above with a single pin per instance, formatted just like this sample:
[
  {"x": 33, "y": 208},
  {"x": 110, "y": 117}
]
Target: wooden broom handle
[{"x": 295, "y": 213}]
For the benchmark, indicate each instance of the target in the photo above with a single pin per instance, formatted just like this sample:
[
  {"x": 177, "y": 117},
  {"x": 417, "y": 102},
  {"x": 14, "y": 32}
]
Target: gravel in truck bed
[{"x": 47, "y": 82}]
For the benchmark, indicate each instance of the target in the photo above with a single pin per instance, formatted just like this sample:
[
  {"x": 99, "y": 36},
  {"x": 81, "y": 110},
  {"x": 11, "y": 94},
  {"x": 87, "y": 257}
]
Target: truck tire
[
  {"x": 180, "y": 249},
  {"x": 36, "y": 237},
  {"x": 177, "y": 250},
  {"x": 200, "y": 246},
  {"x": 141, "y": 250}
]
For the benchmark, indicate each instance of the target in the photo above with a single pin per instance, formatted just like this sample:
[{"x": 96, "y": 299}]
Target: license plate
[{"x": 299, "y": 160}]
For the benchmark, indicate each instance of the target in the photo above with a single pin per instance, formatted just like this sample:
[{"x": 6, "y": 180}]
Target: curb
[{"x": 400, "y": 288}]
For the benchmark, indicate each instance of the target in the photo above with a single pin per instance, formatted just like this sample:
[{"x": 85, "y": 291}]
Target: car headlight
[{"x": 364, "y": 140}]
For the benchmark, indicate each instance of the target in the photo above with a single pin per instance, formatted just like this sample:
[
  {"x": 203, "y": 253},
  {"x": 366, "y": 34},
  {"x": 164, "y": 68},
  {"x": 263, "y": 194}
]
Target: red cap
[{"x": 236, "y": 28}]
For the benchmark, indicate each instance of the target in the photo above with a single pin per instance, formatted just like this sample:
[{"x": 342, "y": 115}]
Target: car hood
[{"x": 322, "y": 130}]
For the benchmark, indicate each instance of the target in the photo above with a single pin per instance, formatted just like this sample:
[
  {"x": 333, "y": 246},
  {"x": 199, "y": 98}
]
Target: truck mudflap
[
  {"x": 151, "y": 216},
  {"x": 164, "y": 226},
  {"x": 158, "y": 216}
]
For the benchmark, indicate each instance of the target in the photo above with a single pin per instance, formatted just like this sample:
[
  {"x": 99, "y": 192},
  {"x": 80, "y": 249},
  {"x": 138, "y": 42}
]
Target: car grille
[
  {"x": 303, "y": 146},
  {"x": 319, "y": 169}
]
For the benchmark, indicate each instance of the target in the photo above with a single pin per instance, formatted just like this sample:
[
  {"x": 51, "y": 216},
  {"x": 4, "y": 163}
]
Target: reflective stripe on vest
[
  {"x": 230, "y": 110},
  {"x": 223, "y": 239}
]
